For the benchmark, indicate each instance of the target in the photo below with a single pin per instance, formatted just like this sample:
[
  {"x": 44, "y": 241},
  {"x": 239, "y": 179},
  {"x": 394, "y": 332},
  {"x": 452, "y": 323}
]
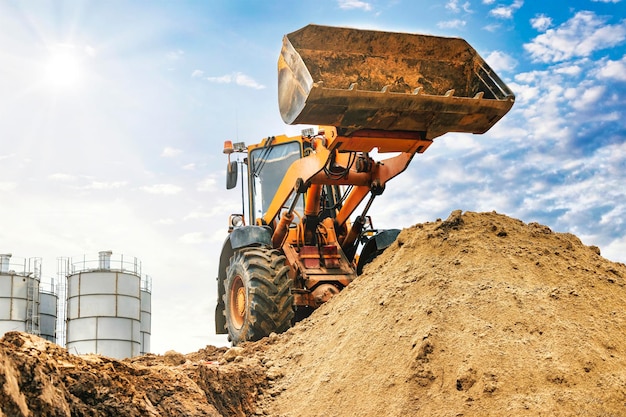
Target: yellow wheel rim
[
  {"x": 237, "y": 310},
  {"x": 241, "y": 301}
]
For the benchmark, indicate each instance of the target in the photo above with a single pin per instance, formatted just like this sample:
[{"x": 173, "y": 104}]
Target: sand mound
[{"x": 480, "y": 314}]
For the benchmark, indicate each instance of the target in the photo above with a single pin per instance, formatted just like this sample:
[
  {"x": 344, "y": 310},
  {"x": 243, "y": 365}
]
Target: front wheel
[{"x": 257, "y": 294}]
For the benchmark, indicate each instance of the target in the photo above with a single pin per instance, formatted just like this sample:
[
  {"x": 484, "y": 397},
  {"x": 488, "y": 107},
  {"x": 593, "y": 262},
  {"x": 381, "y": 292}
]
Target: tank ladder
[
  {"x": 32, "y": 296},
  {"x": 62, "y": 273}
]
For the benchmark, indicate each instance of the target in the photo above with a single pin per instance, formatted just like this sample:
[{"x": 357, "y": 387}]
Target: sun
[{"x": 64, "y": 68}]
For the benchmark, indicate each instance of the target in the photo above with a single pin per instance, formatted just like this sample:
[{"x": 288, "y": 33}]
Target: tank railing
[
  {"x": 113, "y": 262},
  {"x": 49, "y": 286},
  {"x": 27, "y": 267},
  {"x": 146, "y": 283}
]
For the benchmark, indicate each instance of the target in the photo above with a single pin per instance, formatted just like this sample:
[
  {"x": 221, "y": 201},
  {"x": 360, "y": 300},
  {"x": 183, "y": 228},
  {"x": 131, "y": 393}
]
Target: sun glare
[{"x": 64, "y": 69}]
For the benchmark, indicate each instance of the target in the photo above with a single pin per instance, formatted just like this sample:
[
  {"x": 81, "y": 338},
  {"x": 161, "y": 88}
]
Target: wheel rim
[{"x": 237, "y": 310}]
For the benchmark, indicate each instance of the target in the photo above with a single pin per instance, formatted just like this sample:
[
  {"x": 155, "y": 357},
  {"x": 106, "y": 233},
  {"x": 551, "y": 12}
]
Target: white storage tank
[
  {"x": 146, "y": 314},
  {"x": 48, "y": 308},
  {"x": 104, "y": 306},
  {"x": 19, "y": 294}
]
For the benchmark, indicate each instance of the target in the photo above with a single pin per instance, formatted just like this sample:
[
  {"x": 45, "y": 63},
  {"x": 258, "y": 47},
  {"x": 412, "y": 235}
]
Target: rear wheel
[{"x": 257, "y": 296}]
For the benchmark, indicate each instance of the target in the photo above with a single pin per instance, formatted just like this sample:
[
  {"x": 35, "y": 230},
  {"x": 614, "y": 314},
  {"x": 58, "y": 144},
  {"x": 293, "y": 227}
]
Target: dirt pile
[
  {"x": 479, "y": 314},
  {"x": 39, "y": 378}
]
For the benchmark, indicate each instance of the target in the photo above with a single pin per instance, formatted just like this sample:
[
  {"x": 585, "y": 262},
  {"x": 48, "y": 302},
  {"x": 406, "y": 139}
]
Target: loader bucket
[{"x": 363, "y": 79}]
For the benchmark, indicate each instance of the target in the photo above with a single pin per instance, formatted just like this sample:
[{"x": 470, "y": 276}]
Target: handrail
[
  {"x": 112, "y": 262},
  {"x": 13, "y": 265}
]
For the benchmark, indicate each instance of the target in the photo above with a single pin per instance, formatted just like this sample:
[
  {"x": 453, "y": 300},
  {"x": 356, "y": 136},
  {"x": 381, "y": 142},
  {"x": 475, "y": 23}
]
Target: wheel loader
[{"x": 372, "y": 94}]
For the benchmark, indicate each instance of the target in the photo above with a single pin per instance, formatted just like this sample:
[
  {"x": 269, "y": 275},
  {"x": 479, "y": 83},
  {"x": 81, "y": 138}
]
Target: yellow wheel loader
[{"x": 366, "y": 90}]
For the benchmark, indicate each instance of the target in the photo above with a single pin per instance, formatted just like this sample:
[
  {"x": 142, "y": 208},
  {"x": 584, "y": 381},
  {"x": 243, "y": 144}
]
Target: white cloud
[
  {"x": 169, "y": 152},
  {"x": 541, "y": 22},
  {"x": 489, "y": 2},
  {"x": 164, "y": 189},
  {"x": 588, "y": 97},
  {"x": 616, "y": 249},
  {"x": 459, "y": 142},
  {"x": 223, "y": 79},
  {"x": 195, "y": 238},
  {"x": 452, "y": 24},
  {"x": 62, "y": 177},
  {"x": 493, "y": 27},
  {"x": 506, "y": 12},
  {"x": 104, "y": 185},
  {"x": 540, "y": 99},
  {"x": 606, "y": 1},
  {"x": 215, "y": 212},
  {"x": 531, "y": 76},
  {"x": 246, "y": 81},
  {"x": 89, "y": 50},
  {"x": 189, "y": 167},
  {"x": 570, "y": 93},
  {"x": 614, "y": 116},
  {"x": 501, "y": 61},
  {"x": 208, "y": 184},
  {"x": 200, "y": 215},
  {"x": 237, "y": 78},
  {"x": 90, "y": 185},
  {"x": 613, "y": 69},
  {"x": 354, "y": 4},
  {"x": 453, "y": 5},
  {"x": 197, "y": 74},
  {"x": 582, "y": 35},
  {"x": 571, "y": 70},
  {"x": 7, "y": 185},
  {"x": 175, "y": 55},
  {"x": 524, "y": 93}
]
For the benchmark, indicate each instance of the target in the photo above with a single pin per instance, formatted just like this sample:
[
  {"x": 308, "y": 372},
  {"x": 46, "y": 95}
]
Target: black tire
[{"x": 257, "y": 294}]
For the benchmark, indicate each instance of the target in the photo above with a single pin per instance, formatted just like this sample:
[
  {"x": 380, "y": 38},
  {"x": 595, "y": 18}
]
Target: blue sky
[{"x": 113, "y": 116}]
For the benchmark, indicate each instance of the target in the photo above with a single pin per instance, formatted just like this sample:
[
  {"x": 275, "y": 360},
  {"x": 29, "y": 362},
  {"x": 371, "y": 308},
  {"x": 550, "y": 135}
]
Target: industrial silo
[
  {"x": 146, "y": 314},
  {"x": 19, "y": 294},
  {"x": 104, "y": 305},
  {"x": 48, "y": 308}
]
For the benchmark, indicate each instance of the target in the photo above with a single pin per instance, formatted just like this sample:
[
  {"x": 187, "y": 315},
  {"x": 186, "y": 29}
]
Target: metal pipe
[
  {"x": 283, "y": 225},
  {"x": 313, "y": 195},
  {"x": 357, "y": 226}
]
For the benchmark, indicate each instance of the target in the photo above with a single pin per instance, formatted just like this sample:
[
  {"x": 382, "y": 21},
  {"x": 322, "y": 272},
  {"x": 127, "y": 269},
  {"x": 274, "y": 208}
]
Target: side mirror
[{"x": 231, "y": 175}]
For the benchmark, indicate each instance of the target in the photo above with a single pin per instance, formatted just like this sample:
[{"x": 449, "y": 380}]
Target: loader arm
[{"x": 315, "y": 169}]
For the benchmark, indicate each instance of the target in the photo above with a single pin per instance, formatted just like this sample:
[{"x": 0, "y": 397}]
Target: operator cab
[{"x": 266, "y": 166}]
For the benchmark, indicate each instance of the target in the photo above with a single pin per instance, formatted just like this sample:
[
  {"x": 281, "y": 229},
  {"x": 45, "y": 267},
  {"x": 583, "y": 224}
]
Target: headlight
[{"x": 235, "y": 220}]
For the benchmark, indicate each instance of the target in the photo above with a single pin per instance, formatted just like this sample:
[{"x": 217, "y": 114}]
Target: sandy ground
[{"x": 476, "y": 315}]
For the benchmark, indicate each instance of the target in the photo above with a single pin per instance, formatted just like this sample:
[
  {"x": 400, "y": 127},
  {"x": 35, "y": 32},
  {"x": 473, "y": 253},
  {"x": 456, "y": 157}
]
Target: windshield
[{"x": 268, "y": 166}]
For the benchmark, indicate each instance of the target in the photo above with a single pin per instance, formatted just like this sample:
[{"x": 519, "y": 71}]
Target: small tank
[
  {"x": 146, "y": 314},
  {"x": 19, "y": 294},
  {"x": 48, "y": 310},
  {"x": 104, "y": 305}
]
